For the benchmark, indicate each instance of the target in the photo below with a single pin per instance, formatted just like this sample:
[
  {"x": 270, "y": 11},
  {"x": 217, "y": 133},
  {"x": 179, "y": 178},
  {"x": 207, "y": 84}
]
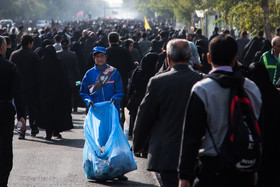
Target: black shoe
[
  {"x": 21, "y": 135},
  {"x": 48, "y": 138},
  {"x": 122, "y": 178},
  {"x": 34, "y": 132},
  {"x": 57, "y": 135}
]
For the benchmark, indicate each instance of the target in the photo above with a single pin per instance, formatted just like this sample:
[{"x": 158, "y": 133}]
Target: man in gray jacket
[
  {"x": 209, "y": 107},
  {"x": 161, "y": 113}
]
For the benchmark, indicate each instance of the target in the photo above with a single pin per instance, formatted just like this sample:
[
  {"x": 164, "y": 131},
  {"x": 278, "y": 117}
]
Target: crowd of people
[{"x": 158, "y": 75}]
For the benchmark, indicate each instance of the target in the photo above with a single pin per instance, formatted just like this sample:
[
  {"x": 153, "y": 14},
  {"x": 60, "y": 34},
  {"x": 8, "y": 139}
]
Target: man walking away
[
  {"x": 121, "y": 59},
  {"x": 207, "y": 120},
  {"x": 10, "y": 84},
  {"x": 161, "y": 113},
  {"x": 70, "y": 62},
  {"x": 27, "y": 63}
]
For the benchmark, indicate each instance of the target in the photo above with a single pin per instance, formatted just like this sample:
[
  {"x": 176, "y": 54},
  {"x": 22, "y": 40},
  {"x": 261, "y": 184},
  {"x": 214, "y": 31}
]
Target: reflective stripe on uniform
[{"x": 266, "y": 65}]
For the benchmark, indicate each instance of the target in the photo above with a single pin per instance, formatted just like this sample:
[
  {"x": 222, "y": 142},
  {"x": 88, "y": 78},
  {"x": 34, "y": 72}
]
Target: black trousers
[
  {"x": 208, "y": 175},
  {"x": 7, "y": 118},
  {"x": 32, "y": 113},
  {"x": 169, "y": 178}
]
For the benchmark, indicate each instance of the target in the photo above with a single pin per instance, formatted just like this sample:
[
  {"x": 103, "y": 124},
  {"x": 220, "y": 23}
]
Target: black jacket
[
  {"x": 161, "y": 115},
  {"x": 27, "y": 63},
  {"x": 11, "y": 88},
  {"x": 121, "y": 59},
  {"x": 70, "y": 61}
]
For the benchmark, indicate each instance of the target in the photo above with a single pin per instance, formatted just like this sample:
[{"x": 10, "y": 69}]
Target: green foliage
[
  {"x": 249, "y": 15},
  {"x": 176, "y": 9}
]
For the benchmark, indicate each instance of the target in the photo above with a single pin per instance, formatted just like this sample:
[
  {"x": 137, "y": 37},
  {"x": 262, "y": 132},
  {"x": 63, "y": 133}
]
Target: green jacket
[{"x": 272, "y": 65}]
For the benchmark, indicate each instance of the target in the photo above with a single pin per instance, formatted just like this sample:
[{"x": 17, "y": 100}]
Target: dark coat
[
  {"x": 54, "y": 109},
  {"x": 241, "y": 42},
  {"x": 250, "y": 50},
  {"x": 27, "y": 63},
  {"x": 70, "y": 61},
  {"x": 121, "y": 59},
  {"x": 161, "y": 115},
  {"x": 270, "y": 126}
]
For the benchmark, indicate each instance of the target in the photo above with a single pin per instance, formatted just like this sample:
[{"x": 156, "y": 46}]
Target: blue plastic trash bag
[{"x": 107, "y": 153}]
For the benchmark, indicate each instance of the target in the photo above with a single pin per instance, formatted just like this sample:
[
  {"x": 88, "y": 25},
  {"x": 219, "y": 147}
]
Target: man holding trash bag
[{"x": 102, "y": 83}]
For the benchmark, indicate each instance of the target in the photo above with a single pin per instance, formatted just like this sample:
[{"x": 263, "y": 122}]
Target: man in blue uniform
[{"x": 102, "y": 82}]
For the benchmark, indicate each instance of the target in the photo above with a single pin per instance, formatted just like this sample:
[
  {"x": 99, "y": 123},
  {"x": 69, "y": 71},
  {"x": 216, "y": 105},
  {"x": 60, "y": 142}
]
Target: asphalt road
[{"x": 59, "y": 163}]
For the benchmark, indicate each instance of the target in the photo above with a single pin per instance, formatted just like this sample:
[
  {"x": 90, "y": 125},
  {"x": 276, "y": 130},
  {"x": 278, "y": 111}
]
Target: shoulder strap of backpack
[{"x": 103, "y": 78}]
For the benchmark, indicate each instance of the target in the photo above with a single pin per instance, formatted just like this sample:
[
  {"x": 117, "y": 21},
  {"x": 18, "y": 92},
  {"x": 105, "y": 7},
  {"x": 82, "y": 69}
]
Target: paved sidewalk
[{"x": 58, "y": 163}]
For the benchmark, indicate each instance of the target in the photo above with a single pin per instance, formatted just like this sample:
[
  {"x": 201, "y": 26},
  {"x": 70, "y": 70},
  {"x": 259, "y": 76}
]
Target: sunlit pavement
[{"x": 42, "y": 163}]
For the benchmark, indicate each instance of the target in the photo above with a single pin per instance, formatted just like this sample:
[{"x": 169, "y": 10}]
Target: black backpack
[{"x": 241, "y": 148}]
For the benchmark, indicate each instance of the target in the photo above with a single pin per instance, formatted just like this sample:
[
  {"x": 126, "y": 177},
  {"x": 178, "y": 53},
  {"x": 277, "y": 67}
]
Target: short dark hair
[
  {"x": 244, "y": 33},
  {"x": 113, "y": 37},
  {"x": 198, "y": 31},
  {"x": 57, "y": 37},
  {"x": 144, "y": 35},
  {"x": 260, "y": 33},
  {"x": 223, "y": 49},
  {"x": 277, "y": 29},
  {"x": 216, "y": 29},
  {"x": 20, "y": 27},
  {"x": 26, "y": 39}
]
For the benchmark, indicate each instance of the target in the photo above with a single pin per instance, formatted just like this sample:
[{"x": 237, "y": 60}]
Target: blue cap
[{"x": 99, "y": 49}]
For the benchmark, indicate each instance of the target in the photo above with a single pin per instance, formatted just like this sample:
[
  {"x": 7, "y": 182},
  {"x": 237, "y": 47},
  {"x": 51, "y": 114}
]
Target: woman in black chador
[
  {"x": 54, "y": 91},
  {"x": 138, "y": 84}
]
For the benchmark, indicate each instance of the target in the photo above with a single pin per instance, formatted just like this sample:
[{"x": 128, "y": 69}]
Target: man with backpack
[{"x": 220, "y": 126}]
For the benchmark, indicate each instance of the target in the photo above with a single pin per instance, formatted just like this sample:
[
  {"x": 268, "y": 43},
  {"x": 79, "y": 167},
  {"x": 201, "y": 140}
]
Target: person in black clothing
[
  {"x": 27, "y": 63},
  {"x": 10, "y": 89},
  {"x": 270, "y": 127},
  {"x": 215, "y": 33},
  {"x": 70, "y": 61},
  {"x": 137, "y": 86},
  {"x": 54, "y": 90},
  {"x": 161, "y": 113},
  {"x": 121, "y": 59},
  {"x": 251, "y": 48}
]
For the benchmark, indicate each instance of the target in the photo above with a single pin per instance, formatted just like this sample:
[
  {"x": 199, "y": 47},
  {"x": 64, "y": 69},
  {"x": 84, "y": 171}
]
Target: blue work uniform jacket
[{"x": 112, "y": 89}]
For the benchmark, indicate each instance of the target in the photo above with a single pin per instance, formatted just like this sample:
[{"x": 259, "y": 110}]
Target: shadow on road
[
  {"x": 76, "y": 143},
  {"x": 122, "y": 183}
]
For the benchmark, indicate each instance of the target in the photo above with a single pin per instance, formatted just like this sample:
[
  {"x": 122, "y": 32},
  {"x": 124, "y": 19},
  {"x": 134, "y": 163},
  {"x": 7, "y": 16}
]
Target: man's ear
[
  {"x": 168, "y": 59},
  {"x": 209, "y": 58}
]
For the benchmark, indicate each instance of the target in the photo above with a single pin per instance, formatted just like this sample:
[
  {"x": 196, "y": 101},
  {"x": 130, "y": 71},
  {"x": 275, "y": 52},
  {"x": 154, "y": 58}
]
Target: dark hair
[
  {"x": 260, "y": 33},
  {"x": 127, "y": 43},
  {"x": 223, "y": 49},
  {"x": 144, "y": 35},
  {"x": 226, "y": 31},
  {"x": 244, "y": 33},
  {"x": 20, "y": 27},
  {"x": 277, "y": 29},
  {"x": 163, "y": 34},
  {"x": 26, "y": 39},
  {"x": 57, "y": 38},
  {"x": 8, "y": 40},
  {"x": 216, "y": 29},
  {"x": 198, "y": 31},
  {"x": 113, "y": 37}
]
